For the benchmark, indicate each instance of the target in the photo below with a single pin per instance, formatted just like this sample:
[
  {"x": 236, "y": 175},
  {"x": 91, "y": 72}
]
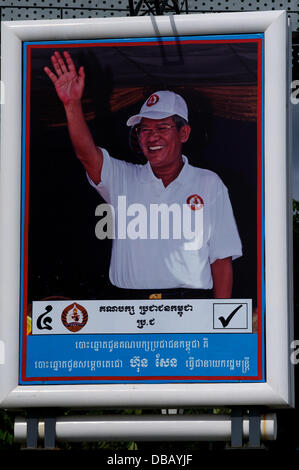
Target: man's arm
[
  {"x": 69, "y": 86},
  {"x": 222, "y": 274}
]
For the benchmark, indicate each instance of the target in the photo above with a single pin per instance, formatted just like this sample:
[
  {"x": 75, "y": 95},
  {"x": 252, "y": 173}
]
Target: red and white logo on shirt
[
  {"x": 153, "y": 99},
  {"x": 195, "y": 202}
]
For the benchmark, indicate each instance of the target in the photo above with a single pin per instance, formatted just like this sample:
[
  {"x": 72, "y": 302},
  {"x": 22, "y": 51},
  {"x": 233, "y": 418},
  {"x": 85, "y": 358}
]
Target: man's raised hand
[
  {"x": 68, "y": 83},
  {"x": 69, "y": 86}
]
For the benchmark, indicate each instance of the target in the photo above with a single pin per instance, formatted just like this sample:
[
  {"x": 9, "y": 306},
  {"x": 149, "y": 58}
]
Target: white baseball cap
[{"x": 160, "y": 105}]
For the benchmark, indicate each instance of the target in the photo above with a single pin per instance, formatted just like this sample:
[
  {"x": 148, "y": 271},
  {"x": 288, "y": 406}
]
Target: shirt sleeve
[
  {"x": 112, "y": 178},
  {"x": 225, "y": 240}
]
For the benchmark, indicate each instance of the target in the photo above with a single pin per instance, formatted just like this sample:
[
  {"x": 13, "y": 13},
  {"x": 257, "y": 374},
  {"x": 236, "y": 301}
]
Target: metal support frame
[
  {"x": 295, "y": 65},
  {"x": 237, "y": 428},
  {"x": 32, "y": 432},
  {"x": 50, "y": 432},
  {"x": 157, "y": 7},
  {"x": 254, "y": 428},
  {"x": 32, "y": 437},
  {"x": 243, "y": 428},
  {"x": 254, "y": 418}
]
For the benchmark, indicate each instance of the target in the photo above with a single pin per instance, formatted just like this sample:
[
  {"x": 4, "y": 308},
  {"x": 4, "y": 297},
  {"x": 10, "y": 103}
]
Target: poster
[{"x": 76, "y": 327}]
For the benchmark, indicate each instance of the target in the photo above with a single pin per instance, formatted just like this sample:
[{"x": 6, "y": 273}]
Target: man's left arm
[{"x": 222, "y": 274}]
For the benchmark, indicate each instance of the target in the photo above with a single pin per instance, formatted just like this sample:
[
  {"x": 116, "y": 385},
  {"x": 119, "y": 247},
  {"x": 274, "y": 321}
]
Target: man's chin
[{"x": 155, "y": 156}]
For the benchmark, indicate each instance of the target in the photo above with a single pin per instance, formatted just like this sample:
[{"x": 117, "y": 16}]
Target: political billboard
[{"x": 145, "y": 210}]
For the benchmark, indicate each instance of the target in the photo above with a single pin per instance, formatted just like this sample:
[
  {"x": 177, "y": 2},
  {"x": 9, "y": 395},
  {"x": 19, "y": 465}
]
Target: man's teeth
[{"x": 157, "y": 147}]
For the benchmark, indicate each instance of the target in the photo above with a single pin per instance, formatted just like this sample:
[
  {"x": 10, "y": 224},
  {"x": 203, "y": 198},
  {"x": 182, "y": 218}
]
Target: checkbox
[{"x": 230, "y": 316}]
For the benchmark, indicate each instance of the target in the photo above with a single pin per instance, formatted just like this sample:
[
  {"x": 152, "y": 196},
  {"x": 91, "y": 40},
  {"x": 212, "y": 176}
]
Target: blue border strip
[
  {"x": 23, "y": 171},
  {"x": 154, "y": 39},
  {"x": 145, "y": 40},
  {"x": 263, "y": 209}
]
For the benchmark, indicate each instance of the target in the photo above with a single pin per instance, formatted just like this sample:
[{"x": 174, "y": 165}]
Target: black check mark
[{"x": 225, "y": 321}]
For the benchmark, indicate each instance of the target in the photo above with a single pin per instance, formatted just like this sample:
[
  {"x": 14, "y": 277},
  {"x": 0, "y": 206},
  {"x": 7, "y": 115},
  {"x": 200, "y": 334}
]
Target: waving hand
[
  {"x": 69, "y": 86},
  {"x": 68, "y": 83}
]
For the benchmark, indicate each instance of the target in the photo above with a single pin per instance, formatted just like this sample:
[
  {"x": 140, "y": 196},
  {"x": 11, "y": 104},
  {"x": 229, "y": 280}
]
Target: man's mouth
[{"x": 153, "y": 148}]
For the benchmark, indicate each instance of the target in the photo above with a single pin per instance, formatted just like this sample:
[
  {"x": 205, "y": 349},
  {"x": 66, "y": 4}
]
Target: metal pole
[{"x": 146, "y": 428}]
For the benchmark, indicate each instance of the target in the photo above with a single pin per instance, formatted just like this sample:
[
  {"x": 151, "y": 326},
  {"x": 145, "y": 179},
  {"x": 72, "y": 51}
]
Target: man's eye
[{"x": 160, "y": 130}]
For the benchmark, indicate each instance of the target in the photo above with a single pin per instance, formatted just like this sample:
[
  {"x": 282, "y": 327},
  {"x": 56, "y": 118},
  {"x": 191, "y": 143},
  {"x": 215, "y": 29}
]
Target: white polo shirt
[{"x": 143, "y": 255}]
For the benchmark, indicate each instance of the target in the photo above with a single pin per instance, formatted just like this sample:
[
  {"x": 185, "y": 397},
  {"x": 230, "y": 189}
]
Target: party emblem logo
[
  {"x": 195, "y": 202},
  {"x": 74, "y": 317},
  {"x": 153, "y": 99}
]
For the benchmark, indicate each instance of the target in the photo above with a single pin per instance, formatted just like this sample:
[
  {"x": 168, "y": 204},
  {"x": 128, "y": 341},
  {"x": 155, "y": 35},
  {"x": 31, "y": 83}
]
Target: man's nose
[{"x": 154, "y": 134}]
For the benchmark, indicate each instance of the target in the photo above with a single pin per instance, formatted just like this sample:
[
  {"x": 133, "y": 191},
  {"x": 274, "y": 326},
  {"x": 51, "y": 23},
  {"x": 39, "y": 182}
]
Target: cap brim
[{"x": 133, "y": 120}]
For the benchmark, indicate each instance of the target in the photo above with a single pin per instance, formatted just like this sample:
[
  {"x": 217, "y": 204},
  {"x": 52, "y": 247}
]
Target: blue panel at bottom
[{"x": 141, "y": 358}]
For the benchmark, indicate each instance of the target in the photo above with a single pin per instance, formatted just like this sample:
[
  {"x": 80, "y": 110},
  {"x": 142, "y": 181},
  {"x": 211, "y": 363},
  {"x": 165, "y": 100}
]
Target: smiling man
[
  {"x": 142, "y": 267},
  {"x": 162, "y": 129}
]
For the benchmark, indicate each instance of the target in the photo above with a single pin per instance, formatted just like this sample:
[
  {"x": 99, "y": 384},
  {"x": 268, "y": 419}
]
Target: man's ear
[{"x": 184, "y": 133}]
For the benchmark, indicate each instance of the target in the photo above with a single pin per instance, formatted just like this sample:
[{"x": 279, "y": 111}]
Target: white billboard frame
[{"x": 277, "y": 390}]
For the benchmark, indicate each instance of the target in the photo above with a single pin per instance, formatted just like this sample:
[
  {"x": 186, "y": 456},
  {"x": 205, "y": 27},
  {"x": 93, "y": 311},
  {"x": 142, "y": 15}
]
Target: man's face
[{"x": 161, "y": 142}]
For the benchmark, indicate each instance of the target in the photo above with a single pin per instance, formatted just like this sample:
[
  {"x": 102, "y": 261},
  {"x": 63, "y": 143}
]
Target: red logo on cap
[
  {"x": 195, "y": 202},
  {"x": 153, "y": 99}
]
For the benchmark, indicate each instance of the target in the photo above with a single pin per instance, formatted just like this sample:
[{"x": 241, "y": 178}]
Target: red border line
[
  {"x": 142, "y": 43},
  {"x": 26, "y": 212},
  {"x": 259, "y": 212},
  {"x": 122, "y": 378}
]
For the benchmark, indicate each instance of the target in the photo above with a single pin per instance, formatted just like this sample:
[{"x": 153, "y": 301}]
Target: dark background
[{"x": 65, "y": 257}]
